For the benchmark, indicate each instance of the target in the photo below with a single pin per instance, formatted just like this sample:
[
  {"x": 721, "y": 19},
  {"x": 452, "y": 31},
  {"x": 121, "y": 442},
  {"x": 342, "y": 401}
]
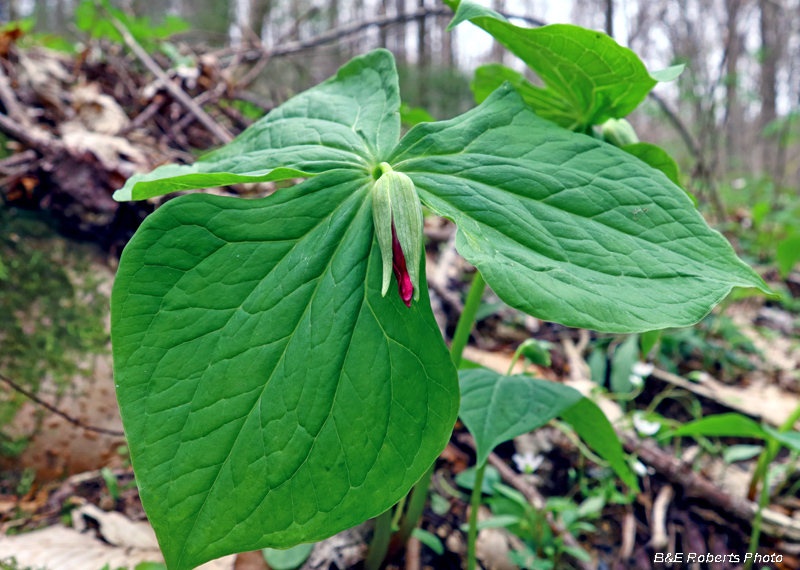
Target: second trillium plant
[{"x": 274, "y": 389}]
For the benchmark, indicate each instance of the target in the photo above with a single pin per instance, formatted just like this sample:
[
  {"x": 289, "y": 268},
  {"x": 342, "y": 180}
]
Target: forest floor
[{"x": 68, "y": 498}]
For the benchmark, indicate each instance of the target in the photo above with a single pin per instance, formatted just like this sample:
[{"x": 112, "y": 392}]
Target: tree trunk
[
  {"x": 733, "y": 111},
  {"x": 610, "y": 18},
  {"x": 382, "y": 33},
  {"x": 770, "y": 54},
  {"x": 497, "y": 48},
  {"x": 259, "y": 11},
  {"x": 400, "y": 31},
  {"x": 422, "y": 38},
  {"x": 447, "y": 40}
]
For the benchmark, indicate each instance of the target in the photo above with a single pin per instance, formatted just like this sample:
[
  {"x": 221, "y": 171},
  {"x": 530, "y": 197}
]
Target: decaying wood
[{"x": 697, "y": 486}]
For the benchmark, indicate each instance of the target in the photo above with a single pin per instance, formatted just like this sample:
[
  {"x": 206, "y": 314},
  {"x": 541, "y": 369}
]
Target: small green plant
[
  {"x": 279, "y": 371},
  {"x": 738, "y": 425},
  {"x": 542, "y": 548}
]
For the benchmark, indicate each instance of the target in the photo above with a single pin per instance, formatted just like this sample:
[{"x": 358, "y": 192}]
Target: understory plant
[{"x": 279, "y": 371}]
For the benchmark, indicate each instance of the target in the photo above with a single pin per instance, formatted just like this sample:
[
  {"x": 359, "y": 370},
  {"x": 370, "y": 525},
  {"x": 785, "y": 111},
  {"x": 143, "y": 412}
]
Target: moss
[{"x": 51, "y": 313}]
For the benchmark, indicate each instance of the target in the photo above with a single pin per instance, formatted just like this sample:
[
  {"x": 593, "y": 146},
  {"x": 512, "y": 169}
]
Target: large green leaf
[
  {"x": 556, "y": 221},
  {"x": 496, "y": 408},
  {"x": 271, "y": 396},
  {"x": 546, "y": 103},
  {"x": 589, "y": 77},
  {"x": 269, "y": 393},
  {"x": 350, "y": 121}
]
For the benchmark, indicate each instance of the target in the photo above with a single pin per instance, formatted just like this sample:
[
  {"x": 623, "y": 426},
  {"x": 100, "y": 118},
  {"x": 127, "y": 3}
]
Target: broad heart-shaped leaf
[
  {"x": 556, "y": 221},
  {"x": 350, "y": 121},
  {"x": 590, "y": 78},
  {"x": 496, "y": 408},
  {"x": 269, "y": 394}
]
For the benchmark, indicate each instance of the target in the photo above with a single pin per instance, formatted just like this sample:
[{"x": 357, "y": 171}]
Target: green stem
[
  {"x": 755, "y": 535},
  {"x": 771, "y": 450},
  {"x": 415, "y": 506},
  {"x": 467, "y": 318},
  {"x": 420, "y": 491},
  {"x": 767, "y": 456},
  {"x": 475, "y": 506},
  {"x": 380, "y": 541},
  {"x": 398, "y": 513}
]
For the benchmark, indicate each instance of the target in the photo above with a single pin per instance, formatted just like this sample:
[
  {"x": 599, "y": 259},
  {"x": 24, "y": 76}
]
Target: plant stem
[
  {"x": 380, "y": 541},
  {"x": 420, "y": 491},
  {"x": 771, "y": 450},
  {"x": 415, "y": 506},
  {"x": 475, "y": 506},
  {"x": 398, "y": 512},
  {"x": 755, "y": 535},
  {"x": 467, "y": 318}
]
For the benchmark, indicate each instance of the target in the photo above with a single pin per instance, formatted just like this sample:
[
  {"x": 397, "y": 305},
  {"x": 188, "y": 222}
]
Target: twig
[
  {"x": 658, "y": 518},
  {"x": 628, "y": 535},
  {"x": 34, "y": 137},
  {"x": 354, "y": 28},
  {"x": 215, "y": 128},
  {"x": 21, "y": 158},
  {"x": 688, "y": 139},
  {"x": 694, "y": 485},
  {"x": 74, "y": 421},
  {"x": 148, "y": 112},
  {"x": 9, "y": 100},
  {"x": 413, "y": 552}
]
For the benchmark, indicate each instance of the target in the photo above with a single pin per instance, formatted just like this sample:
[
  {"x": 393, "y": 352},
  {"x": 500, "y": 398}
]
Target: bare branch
[
  {"x": 74, "y": 421},
  {"x": 215, "y": 128}
]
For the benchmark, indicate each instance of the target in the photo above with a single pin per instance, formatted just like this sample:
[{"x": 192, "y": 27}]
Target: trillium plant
[{"x": 279, "y": 371}]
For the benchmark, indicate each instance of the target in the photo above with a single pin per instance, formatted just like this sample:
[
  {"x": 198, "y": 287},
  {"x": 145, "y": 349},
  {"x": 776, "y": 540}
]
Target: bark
[
  {"x": 770, "y": 55},
  {"x": 400, "y": 31},
  {"x": 733, "y": 110},
  {"x": 382, "y": 34},
  {"x": 259, "y": 11},
  {"x": 497, "y": 48},
  {"x": 610, "y": 18},
  {"x": 422, "y": 39}
]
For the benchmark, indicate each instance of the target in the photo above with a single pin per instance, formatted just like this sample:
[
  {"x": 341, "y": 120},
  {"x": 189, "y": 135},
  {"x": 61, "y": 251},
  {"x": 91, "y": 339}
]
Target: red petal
[{"x": 400, "y": 271}]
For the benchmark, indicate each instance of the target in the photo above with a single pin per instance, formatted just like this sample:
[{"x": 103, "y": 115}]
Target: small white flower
[
  {"x": 640, "y": 468},
  {"x": 643, "y": 426},
  {"x": 527, "y": 462},
  {"x": 636, "y": 380},
  {"x": 643, "y": 369}
]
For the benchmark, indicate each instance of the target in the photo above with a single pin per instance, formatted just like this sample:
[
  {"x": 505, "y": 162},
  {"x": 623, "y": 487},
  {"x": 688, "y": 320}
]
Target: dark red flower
[{"x": 400, "y": 272}]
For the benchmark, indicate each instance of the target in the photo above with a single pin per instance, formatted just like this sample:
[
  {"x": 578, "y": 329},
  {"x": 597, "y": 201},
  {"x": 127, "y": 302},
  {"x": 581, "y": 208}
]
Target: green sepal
[{"x": 395, "y": 199}]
